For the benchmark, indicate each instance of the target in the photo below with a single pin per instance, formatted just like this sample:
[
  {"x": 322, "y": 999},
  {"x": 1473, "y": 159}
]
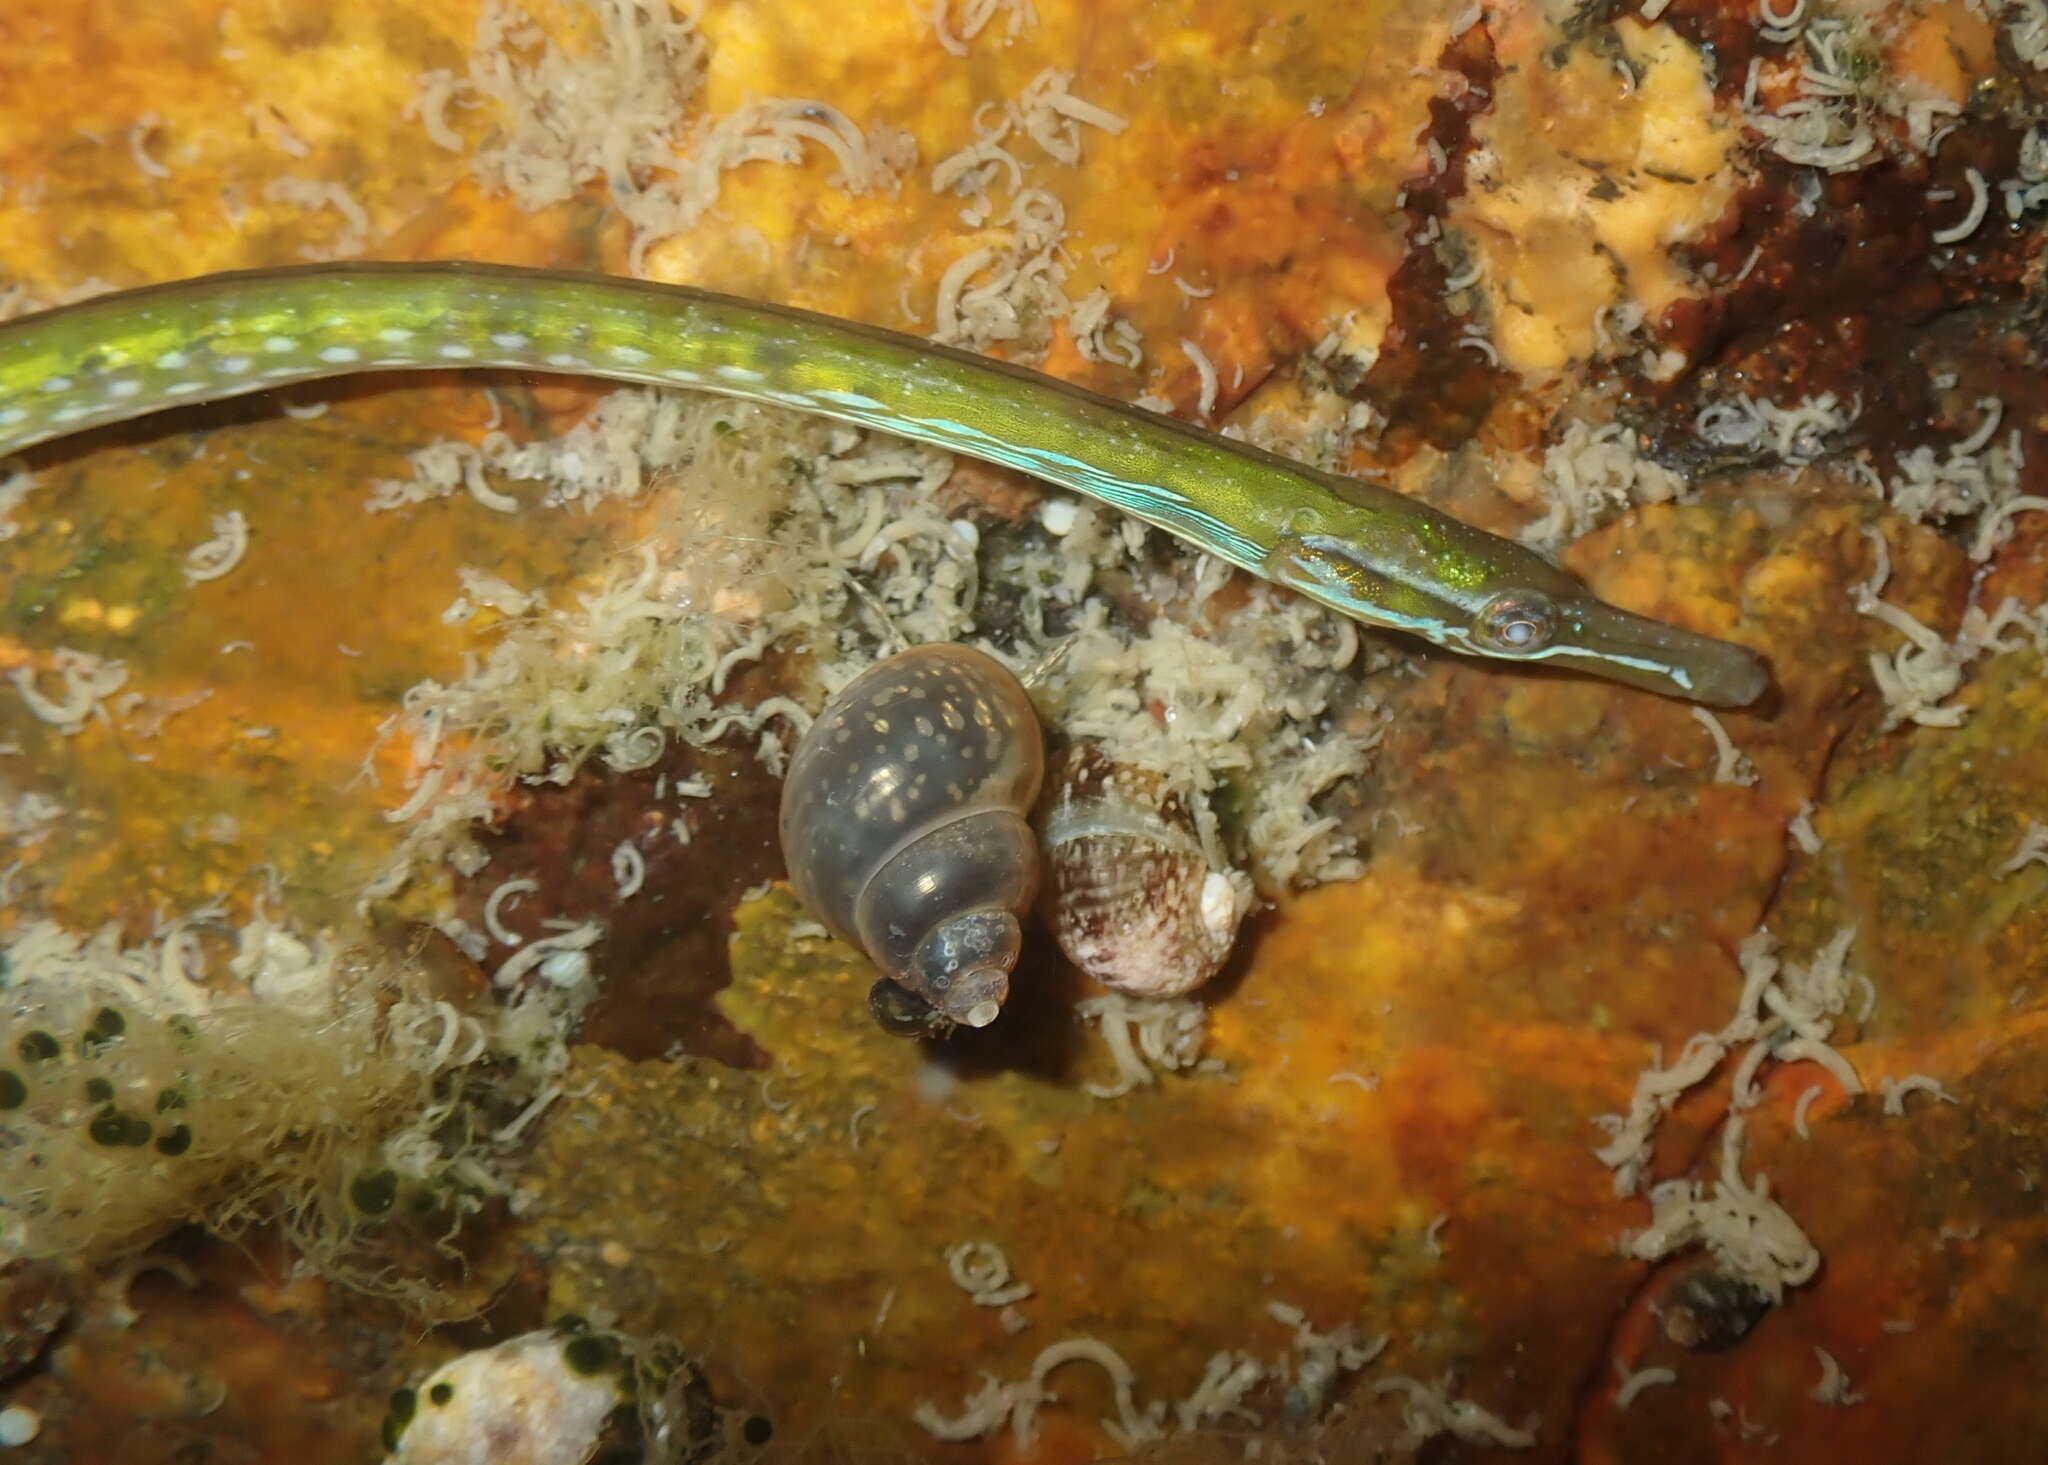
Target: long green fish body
[{"x": 1362, "y": 549}]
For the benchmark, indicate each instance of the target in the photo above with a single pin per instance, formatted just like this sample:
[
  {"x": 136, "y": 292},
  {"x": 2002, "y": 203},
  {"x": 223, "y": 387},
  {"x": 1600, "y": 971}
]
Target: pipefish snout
[{"x": 1361, "y": 549}]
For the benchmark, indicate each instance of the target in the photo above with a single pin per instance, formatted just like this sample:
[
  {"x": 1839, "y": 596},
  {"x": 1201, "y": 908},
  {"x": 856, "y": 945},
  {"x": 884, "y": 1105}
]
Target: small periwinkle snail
[
  {"x": 1130, "y": 894},
  {"x": 903, "y": 826}
]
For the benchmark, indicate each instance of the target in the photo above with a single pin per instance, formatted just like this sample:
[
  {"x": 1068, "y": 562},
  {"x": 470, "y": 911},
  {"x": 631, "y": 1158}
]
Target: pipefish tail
[{"x": 1360, "y": 548}]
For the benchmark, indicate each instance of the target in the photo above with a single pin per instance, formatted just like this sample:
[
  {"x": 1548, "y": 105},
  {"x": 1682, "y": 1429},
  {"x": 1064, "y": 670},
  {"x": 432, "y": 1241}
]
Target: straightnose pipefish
[{"x": 1362, "y": 549}]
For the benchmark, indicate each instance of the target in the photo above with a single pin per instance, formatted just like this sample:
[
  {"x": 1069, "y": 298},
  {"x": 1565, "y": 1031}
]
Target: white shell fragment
[{"x": 558, "y": 1397}]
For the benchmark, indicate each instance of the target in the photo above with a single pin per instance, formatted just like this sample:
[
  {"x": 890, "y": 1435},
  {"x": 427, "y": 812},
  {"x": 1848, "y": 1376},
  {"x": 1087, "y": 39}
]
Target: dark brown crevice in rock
[
  {"x": 1433, "y": 388},
  {"x": 1821, "y": 250},
  {"x": 663, "y": 955},
  {"x": 1847, "y": 293}
]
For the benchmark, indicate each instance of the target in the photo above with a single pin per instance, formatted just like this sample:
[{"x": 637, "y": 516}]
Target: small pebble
[
  {"x": 1058, "y": 516},
  {"x": 18, "y": 1425}
]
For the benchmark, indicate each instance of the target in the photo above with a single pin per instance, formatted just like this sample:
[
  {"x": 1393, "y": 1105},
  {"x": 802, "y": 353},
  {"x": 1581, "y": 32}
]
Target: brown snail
[
  {"x": 904, "y": 829},
  {"x": 1131, "y": 893}
]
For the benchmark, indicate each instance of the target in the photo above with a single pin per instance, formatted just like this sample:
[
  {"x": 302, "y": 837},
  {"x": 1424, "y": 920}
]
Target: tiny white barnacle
[
  {"x": 456, "y": 351},
  {"x": 509, "y": 341},
  {"x": 279, "y": 345},
  {"x": 234, "y": 365},
  {"x": 173, "y": 361},
  {"x": 631, "y": 355},
  {"x": 340, "y": 355}
]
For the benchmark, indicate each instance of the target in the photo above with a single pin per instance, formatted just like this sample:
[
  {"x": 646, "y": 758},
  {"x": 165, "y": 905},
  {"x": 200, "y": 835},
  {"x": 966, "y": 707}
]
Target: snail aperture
[{"x": 903, "y": 825}]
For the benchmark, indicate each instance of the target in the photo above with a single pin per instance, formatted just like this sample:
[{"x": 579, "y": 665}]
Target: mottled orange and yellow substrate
[{"x": 1402, "y": 1134}]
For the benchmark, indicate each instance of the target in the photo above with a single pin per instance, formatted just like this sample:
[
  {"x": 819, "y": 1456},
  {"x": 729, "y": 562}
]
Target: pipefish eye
[{"x": 1516, "y": 623}]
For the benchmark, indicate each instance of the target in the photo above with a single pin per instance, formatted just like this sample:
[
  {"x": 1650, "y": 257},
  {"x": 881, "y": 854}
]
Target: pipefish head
[
  {"x": 1522, "y": 623},
  {"x": 1470, "y": 591}
]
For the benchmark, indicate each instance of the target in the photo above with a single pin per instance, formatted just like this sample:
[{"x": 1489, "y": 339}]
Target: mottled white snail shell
[
  {"x": 1130, "y": 894},
  {"x": 904, "y": 823}
]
